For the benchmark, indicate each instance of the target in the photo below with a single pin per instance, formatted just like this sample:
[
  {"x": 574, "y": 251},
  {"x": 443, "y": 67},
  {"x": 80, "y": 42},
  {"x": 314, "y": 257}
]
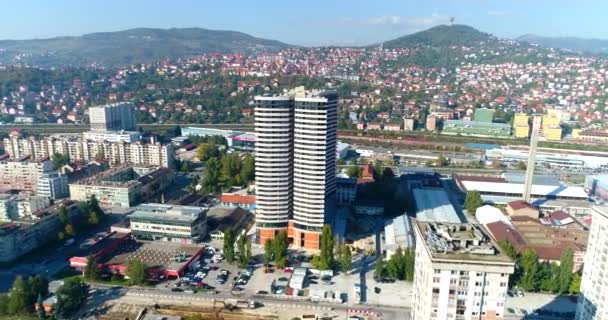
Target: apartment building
[
  {"x": 20, "y": 237},
  {"x": 22, "y": 174},
  {"x": 79, "y": 149},
  {"x": 521, "y": 126},
  {"x": 295, "y": 164},
  {"x": 167, "y": 222},
  {"x": 122, "y": 186},
  {"x": 460, "y": 273},
  {"x": 113, "y": 117},
  {"x": 593, "y": 299},
  {"x": 53, "y": 185}
]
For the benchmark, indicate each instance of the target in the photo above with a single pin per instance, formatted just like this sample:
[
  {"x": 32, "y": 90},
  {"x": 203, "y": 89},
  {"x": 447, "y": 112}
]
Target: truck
[{"x": 243, "y": 304}]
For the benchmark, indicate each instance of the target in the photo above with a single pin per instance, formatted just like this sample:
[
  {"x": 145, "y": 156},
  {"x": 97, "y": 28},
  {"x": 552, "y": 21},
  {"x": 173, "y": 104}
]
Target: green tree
[
  {"x": 92, "y": 270},
  {"x": 62, "y": 214},
  {"x": 268, "y": 247},
  {"x": 508, "y": 248},
  {"x": 280, "y": 249},
  {"x": 59, "y": 160},
  {"x": 229, "y": 238},
  {"x": 18, "y": 297},
  {"x": 354, "y": 171},
  {"x": 211, "y": 180},
  {"x": 3, "y": 304},
  {"x": 69, "y": 230},
  {"x": 575, "y": 284},
  {"x": 346, "y": 259},
  {"x": 93, "y": 218},
  {"x": 520, "y": 166},
  {"x": 409, "y": 257},
  {"x": 327, "y": 248},
  {"x": 244, "y": 246},
  {"x": 530, "y": 267},
  {"x": 565, "y": 273},
  {"x": 70, "y": 296},
  {"x": 380, "y": 268},
  {"x": 472, "y": 201},
  {"x": 396, "y": 265},
  {"x": 549, "y": 277},
  {"x": 37, "y": 286},
  {"x": 207, "y": 151},
  {"x": 248, "y": 169},
  {"x": 136, "y": 271},
  {"x": 40, "y": 308}
]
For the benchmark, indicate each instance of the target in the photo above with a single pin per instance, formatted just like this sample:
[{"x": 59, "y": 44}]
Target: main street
[{"x": 272, "y": 305}]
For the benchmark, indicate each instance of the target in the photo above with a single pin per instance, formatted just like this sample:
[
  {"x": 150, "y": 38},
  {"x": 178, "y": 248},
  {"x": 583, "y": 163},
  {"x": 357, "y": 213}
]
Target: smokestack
[{"x": 536, "y": 121}]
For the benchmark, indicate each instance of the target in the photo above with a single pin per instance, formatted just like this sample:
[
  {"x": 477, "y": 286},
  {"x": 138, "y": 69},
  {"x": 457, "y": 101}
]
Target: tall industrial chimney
[{"x": 536, "y": 121}]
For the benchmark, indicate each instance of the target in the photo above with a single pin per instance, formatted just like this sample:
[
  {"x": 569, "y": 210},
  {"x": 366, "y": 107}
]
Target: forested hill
[
  {"x": 442, "y": 36},
  {"x": 130, "y": 46}
]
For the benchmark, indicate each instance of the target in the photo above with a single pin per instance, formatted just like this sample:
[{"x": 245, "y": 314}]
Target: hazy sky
[{"x": 305, "y": 22}]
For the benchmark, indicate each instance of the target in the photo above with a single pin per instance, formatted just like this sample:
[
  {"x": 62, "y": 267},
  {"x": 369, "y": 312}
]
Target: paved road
[{"x": 269, "y": 304}]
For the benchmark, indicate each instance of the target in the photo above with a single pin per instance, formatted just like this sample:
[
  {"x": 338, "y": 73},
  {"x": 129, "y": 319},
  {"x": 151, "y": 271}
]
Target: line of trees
[
  {"x": 243, "y": 245},
  {"x": 276, "y": 250},
  {"x": 223, "y": 169},
  {"x": 136, "y": 271},
  {"x": 400, "y": 266},
  {"x": 533, "y": 275},
  {"x": 70, "y": 297},
  {"x": 23, "y": 296}
]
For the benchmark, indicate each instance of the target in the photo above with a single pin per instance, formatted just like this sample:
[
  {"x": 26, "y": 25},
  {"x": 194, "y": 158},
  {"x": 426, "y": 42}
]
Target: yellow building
[
  {"x": 551, "y": 128},
  {"x": 521, "y": 126},
  {"x": 553, "y": 133}
]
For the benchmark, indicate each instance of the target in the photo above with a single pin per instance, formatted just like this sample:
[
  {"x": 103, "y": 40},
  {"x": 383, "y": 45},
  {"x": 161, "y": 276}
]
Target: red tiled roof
[
  {"x": 237, "y": 198},
  {"x": 524, "y": 219},
  {"x": 518, "y": 204},
  {"x": 502, "y": 231}
]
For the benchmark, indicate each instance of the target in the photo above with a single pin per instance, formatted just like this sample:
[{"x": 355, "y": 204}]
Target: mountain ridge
[
  {"x": 590, "y": 45},
  {"x": 131, "y": 46}
]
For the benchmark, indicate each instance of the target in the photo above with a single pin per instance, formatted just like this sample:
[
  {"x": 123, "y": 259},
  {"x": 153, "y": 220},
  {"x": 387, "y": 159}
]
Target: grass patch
[{"x": 20, "y": 317}]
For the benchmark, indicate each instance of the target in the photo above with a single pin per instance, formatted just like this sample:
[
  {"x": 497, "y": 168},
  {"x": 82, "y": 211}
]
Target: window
[
  {"x": 435, "y": 290},
  {"x": 503, "y": 284}
]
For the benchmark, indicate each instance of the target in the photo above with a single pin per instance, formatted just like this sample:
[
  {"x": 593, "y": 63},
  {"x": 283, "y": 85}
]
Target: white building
[
  {"x": 593, "y": 299},
  {"x": 113, "y": 117},
  {"x": 112, "y": 136},
  {"x": 79, "y": 149},
  {"x": 172, "y": 223},
  {"x": 460, "y": 273},
  {"x": 53, "y": 185},
  {"x": 295, "y": 164}
]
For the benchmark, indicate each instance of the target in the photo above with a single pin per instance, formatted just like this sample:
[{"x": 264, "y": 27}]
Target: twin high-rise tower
[{"x": 295, "y": 163}]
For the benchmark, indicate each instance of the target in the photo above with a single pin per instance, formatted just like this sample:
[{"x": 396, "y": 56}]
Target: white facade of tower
[
  {"x": 314, "y": 158},
  {"x": 593, "y": 299},
  {"x": 273, "y": 161}
]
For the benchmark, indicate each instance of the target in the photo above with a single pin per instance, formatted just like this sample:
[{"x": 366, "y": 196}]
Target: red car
[{"x": 288, "y": 270}]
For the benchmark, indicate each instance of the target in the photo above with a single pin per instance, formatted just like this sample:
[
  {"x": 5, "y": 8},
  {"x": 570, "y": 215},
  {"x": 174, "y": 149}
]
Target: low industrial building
[
  {"x": 398, "y": 233},
  {"x": 433, "y": 205},
  {"x": 565, "y": 159},
  {"x": 123, "y": 186},
  {"x": 172, "y": 223},
  {"x": 220, "y": 219},
  {"x": 162, "y": 259},
  {"x": 549, "y": 237},
  {"x": 499, "y": 190},
  {"x": 460, "y": 273},
  {"x": 520, "y": 208}
]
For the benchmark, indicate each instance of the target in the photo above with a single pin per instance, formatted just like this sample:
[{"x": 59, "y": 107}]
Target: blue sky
[{"x": 308, "y": 22}]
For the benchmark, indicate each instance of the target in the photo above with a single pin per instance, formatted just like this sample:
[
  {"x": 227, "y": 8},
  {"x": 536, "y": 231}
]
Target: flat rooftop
[
  {"x": 451, "y": 242},
  {"x": 157, "y": 211},
  {"x": 156, "y": 255},
  {"x": 504, "y": 188},
  {"x": 433, "y": 204}
]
